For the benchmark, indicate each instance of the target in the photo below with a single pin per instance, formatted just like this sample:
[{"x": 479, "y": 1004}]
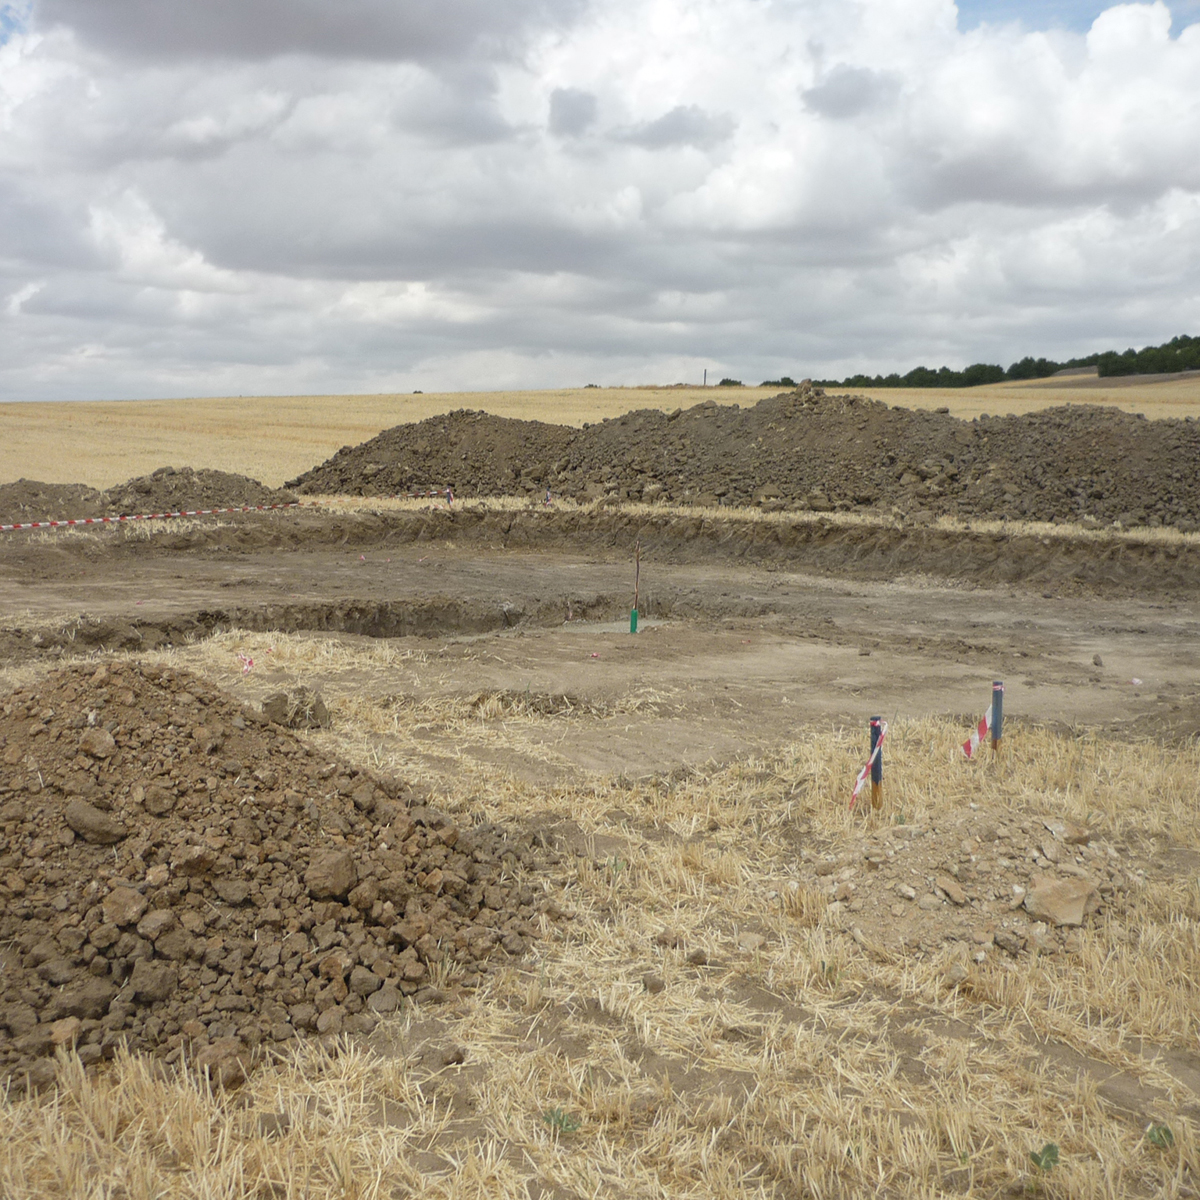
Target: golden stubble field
[{"x": 275, "y": 438}]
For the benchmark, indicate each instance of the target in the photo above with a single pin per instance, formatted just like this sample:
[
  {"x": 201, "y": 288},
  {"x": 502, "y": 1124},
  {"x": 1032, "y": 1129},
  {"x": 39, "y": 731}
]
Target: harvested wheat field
[
  {"x": 359, "y": 849},
  {"x": 272, "y": 438}
]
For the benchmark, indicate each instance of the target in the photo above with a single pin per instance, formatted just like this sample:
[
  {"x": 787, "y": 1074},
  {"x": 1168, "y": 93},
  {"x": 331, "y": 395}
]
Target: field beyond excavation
[
  {"x": 273, "y": 438},
  {"x": 359, "y": 850}
]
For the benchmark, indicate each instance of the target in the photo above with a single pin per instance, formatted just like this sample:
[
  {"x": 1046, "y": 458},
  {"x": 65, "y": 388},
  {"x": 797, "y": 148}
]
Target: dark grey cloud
[
  {"x": 457, "y": 107},
  {"x": 572, "y": 111},
  {"x": 850, "y": 91},
  {"x": 42, "y": 229},
  {"x": 392, "y": 30},
  {"x": 684, "y": 125}
]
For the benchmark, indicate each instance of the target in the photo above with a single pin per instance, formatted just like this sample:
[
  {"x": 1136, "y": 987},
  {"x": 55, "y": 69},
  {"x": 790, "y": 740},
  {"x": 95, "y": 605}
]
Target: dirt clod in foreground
[
  {"x": 804, "y": 450},
  {"x": 178, "y": 872}
]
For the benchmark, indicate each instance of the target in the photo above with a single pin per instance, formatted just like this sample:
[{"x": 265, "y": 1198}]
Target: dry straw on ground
[{"x": 782, "y": 1055}]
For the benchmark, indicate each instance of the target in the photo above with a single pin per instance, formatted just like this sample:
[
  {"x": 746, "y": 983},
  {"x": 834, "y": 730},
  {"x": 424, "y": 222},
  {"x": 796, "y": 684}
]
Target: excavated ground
[
  {"x": 934, "y": 609},
  {"x": 167, "y": 489},
  {"x": 804, "y": 450},
  {"x": 182, "y": 875}
]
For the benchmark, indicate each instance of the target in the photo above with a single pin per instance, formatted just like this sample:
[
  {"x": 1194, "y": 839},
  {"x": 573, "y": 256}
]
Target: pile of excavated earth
[
  {"x": 167, "y": 489},
  {"x": 804, "y": 450},
  {"x": 184, "y": 875}
]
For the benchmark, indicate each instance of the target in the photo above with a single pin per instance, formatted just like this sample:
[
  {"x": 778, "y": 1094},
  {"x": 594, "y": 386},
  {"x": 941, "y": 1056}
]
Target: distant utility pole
[{"x": 706, "y": 377}]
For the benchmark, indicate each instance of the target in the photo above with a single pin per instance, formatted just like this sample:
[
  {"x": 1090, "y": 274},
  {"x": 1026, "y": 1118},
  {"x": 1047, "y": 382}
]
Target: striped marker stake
[
  {"x": 874, "y": 767},
  {"x": 637, "y": 579},
  {"x": 876, "y": 763},
  {"x": 992, "y": 722}
]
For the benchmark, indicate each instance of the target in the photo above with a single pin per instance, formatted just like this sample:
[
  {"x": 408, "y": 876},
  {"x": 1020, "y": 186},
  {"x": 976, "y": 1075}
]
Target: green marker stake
[{"x": 637, "y": 579}]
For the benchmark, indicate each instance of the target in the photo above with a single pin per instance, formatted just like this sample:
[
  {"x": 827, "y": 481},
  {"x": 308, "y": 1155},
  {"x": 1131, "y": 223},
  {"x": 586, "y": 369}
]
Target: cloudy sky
[{"x": 273, "y": 196}]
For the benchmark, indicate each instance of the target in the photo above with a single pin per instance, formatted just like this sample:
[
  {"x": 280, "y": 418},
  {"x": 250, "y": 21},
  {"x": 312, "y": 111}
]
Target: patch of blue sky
[
  {"x": 1077, "y": 15},
  {"x": 14, "y": 18}
]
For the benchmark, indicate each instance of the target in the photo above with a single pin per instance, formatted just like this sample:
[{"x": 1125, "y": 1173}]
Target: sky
[{"x": 249, "y": 197}]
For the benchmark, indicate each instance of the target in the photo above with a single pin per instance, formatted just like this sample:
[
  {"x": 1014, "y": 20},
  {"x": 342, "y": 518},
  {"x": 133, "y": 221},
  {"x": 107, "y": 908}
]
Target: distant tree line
[{"x": 1179, "y": 354}]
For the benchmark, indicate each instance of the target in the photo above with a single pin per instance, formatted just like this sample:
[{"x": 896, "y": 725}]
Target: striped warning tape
[
  {"x": 862, "y": 775},
  {"x": 158, "y": 516},
  {"x": 978, "y": 734},
  {"x": 124, "y": 519}
]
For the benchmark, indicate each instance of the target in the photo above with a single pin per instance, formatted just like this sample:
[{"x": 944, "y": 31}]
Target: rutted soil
[
  {"x": 27, "y": 500},
  {"x": 178, "y": 873},
  {"x": 804, "y": 450}
]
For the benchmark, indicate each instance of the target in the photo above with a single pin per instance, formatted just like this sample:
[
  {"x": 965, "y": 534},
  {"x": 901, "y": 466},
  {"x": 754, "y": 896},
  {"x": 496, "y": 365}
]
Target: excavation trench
[{"x": 433, "y": 618}]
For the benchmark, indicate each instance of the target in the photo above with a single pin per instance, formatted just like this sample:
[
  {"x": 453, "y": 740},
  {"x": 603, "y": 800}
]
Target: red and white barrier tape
[
  {"x": 862, "y": 775},
  {"x": 444, "y": 494},
  {"x": 160, "y": 516},
  {"x": 979, "y": 734}
]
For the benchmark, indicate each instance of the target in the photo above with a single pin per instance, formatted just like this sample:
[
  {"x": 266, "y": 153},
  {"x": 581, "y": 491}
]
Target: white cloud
[
  {"x": 139, "y": 251},
  {"x": 18, "y": 299},
  {"x": 569, "y": 193}
]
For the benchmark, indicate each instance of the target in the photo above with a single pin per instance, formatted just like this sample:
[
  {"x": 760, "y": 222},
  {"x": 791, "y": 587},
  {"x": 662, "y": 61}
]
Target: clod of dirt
[
  {"x": 184, "y": 874},
  {"x": 301, "y": 709},
  {"x": 166, "y": 489},
  {"x": 1062, "y": 901},
  {"x": 804, "y": 450}
]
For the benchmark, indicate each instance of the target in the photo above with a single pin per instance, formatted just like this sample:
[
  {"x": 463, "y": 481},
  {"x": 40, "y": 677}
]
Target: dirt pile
[
  {"x": 163, "y": 490},
  {"x": 168, "y": 488},
  {"x": 29, "y": 500},
  {"x": 804, "y": 450},
  {"x": 179, "y": 873}
]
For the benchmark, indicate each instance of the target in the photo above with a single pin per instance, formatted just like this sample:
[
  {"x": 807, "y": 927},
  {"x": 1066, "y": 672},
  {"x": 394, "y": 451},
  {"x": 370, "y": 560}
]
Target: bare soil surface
[
  {"x": 166, "y": 489},
  {"x": 1093, "y": 380},
  {"x": 732, "y": 653},
  {"x": 805, "y": 450}
]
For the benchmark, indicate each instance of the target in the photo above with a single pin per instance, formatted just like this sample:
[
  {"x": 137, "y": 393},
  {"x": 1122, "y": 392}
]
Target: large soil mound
[
  {"x": 805, "y": 449},
  {"x": 165, "y": 489},
  {"x": 179, "y": 873}
]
